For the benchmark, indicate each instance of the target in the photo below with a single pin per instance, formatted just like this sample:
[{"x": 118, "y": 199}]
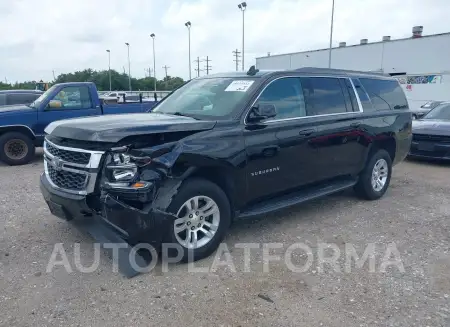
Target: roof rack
[{"x": 315, "y": 70}]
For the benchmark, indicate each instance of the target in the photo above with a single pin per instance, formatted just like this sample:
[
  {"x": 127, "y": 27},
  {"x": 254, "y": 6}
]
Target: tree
[{"x": 119, "y": 81}]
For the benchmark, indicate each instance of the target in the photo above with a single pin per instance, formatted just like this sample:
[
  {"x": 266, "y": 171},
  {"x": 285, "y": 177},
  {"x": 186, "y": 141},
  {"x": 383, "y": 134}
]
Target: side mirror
[
  {"x": 261, "y": 112},
  {"x": 55, "y": 104}
]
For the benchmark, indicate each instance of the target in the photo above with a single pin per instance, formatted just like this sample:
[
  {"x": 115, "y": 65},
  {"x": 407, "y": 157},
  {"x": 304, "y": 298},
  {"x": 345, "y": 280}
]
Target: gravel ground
[{"x": 414, "y": 215}]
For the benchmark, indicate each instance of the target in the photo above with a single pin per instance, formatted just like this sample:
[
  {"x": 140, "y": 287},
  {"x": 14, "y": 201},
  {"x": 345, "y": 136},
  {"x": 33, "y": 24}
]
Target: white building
[{"x": 421, "y": 63}]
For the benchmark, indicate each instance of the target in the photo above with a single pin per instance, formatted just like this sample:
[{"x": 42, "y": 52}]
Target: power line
[{"x": 237, "y": 55}]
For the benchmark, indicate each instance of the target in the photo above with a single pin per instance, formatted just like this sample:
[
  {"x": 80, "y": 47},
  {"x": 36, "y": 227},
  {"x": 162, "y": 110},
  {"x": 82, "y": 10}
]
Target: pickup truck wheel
[
  {"x": 16, "y": 148},
  {"x": 376, "y": 176},
  {"x": 204, "y": 215}
]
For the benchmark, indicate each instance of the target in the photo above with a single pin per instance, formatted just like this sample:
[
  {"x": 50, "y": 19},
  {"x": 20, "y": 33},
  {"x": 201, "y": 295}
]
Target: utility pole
[
  {"x": 109, "y": 68},
  {"x": 165, "y": 69},
  {"x": 154, "y": 58},
  {"x": 54, "y": 78},
  {"x": 198, "y": 66},
  {"x": 148, "y": 72},
  {"x": 331, "y": 35},
  {"x": 207, "y": 66},
  {"x": 243, "y": 6},
  {"x": 188, "y": 25},
  {"x": 129, "y": 65},
  {"x": 236, "y": 54}
]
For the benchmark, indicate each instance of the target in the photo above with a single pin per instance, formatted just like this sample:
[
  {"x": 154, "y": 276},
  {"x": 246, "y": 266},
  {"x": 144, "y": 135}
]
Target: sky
[{"x": 62, "y": 36}]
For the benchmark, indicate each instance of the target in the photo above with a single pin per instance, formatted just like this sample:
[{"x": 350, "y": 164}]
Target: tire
[
  {"x": 364, "y": 188},
  {"x": 16, "y": 148},
  {"x": 202, "y": 190}
]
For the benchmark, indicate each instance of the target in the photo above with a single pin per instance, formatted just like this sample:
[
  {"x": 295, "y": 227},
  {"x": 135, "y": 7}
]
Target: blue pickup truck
[{"x": 22, "y": 126}]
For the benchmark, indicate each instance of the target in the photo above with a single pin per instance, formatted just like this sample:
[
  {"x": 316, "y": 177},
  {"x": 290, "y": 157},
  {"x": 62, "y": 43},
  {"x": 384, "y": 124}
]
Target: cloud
[{"x": 68, "y": 35}]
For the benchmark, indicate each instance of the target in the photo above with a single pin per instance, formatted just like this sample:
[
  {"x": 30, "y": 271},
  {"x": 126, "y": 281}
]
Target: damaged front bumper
[{"x": 116, "y": 222}]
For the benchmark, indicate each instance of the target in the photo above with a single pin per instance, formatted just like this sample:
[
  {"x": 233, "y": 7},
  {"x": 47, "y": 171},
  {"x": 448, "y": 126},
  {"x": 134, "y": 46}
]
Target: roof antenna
[{"x": 252, "y": 71}]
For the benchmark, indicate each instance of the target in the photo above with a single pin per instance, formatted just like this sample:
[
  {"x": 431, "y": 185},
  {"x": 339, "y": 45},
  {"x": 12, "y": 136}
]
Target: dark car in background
[
  {"x": 431, "y": 134},
  {"x": 13, "y": 97},
  {"x": 425, "y": 108}
]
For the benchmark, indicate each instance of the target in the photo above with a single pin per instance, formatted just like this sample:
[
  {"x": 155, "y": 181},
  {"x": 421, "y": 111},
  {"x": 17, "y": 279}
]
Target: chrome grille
[
  {"x": 81, "y": 158},
  {"x": 67, "y": 180},
  {"x": 71, "y": 170}
]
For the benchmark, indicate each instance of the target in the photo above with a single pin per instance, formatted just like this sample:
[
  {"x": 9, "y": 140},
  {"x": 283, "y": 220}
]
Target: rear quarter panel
[{"x": 380, "y": 126}]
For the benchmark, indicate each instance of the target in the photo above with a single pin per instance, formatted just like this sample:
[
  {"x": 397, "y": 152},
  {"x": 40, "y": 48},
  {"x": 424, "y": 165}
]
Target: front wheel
[
  {"x": 376, "y": 176},
  {"x": 203, "y": 217}
]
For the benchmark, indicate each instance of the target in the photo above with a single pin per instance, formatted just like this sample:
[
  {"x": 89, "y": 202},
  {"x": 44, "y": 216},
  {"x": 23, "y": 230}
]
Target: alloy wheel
[
  {"x": 197, "y": 223},
  {"x": 379, "y": 175}
]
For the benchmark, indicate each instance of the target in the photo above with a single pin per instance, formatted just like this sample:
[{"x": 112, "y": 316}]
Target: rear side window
[
  {"x": 323, "y": 96},
  {"x": 20, "y": 98},
  {"x": 385, "y": 94},
  {"x": 363, "y": 97}
]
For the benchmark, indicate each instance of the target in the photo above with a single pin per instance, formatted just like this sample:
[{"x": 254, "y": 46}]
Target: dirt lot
[{"x": 414, "y": 215}]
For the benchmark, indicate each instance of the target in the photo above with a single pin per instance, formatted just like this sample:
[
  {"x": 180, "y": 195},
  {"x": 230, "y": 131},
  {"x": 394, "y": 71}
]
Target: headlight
[
  {"x": 121, "y": 158},
  {"x": 123, "y": 167},
  {"x": 124, "y": 173}
]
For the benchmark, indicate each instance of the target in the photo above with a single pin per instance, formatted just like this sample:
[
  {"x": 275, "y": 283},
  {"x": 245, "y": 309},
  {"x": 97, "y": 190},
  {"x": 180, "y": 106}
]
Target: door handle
[
  {"x": 306, "y": 132},
  {"x": 356, "y": 124}
]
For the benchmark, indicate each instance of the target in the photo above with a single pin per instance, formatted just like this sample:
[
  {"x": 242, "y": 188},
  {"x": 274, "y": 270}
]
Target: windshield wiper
[{"x": 177, "y": 113}]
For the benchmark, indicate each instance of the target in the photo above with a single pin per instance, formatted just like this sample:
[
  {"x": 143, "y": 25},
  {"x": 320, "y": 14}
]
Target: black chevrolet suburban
[{"x": 224, "y": 147}]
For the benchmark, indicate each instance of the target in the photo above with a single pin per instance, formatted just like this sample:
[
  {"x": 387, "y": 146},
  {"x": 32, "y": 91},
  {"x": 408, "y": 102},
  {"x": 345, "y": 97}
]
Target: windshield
[
  {"x": 430, "y": 104},
  {"x": 440, "y": 112},
  {"x": 214, "y": 97},
  {"x": 43, "y": 97}
]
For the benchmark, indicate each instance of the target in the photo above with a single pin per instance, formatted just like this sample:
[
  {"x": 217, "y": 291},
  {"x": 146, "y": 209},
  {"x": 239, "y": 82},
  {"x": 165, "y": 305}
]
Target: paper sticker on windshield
[{"x": 239, "y": 86}]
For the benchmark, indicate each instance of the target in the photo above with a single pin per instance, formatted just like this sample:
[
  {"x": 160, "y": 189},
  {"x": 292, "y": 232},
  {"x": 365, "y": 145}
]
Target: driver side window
[
  {"x": 286, "y": 95},
  {"x": 74, "y": 97}
]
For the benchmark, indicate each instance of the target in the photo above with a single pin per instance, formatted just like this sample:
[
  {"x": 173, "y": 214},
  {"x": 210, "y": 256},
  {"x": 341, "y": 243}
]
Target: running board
[{"x": 296, "y": 198}]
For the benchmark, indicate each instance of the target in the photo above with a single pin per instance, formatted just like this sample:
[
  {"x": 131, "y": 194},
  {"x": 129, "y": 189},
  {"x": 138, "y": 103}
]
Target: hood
[
  {"x": 431, "y": 127},
  {"x": 113, "y": 128},
  {"x": 421, "y": 110},
  {"x": 20, "y": 107}
]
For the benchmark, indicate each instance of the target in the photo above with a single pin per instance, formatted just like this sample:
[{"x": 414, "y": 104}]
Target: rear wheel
[
  {"x": 376, "y": 176},
  {"x": 203, "y": 217},
  {"x": 16, "y": 148}
]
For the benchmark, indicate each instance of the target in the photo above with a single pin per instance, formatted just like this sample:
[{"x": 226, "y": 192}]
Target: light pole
[
  {"x": 188, "y": 25},
  {"x": 154, "y": 59},
  {"x": 109, "y": 68},
  {"x": 242, "y": 6},
  {"x": 331, "y": 35},
  {"x": 129, "y": 69}
]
